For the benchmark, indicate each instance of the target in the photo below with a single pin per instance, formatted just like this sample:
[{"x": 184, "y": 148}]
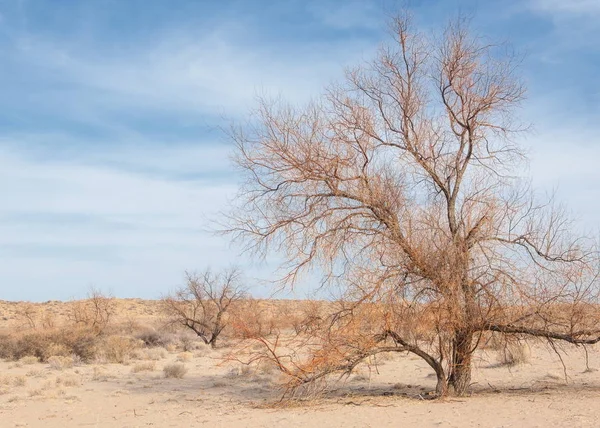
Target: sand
[{"x": 219, "y": 394}]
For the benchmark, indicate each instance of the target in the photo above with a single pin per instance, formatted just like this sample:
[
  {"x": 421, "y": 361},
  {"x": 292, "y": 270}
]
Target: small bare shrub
[
  {"x": 153, "y": 338},
  {"x": 175, "y": 370},
  {"x": 57, "y": 362},
  {"x": 146, "y": 366},
  {"x": 514, "y": 353}
]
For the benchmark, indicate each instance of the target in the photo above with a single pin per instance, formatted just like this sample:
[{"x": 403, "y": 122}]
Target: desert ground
[{"x": 201, "y": 387}]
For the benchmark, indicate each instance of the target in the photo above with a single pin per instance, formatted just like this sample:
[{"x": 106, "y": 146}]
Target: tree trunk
[
  {"x": 213, "y": 342},
  {"x": 441, "y": 389},
  {"x": 460, "y": 374}
]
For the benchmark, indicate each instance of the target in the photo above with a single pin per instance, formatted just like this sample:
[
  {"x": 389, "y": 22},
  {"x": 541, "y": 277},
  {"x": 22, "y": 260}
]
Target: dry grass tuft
[
  {"x": 28, "y": 360},
  {"x": 175, "y": 370},
  {"x": 6, "y": 380},
  {"x": 146, "y": 366},
  {"x": 68, "y": 380},
  {"x": 58, "y": 362}
]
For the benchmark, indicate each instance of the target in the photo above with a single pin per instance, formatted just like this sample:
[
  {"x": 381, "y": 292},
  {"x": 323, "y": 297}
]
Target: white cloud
[
  {"x": 208, "y": 74},
  {"x": 79, "y": 224},
  {"x": 566, "y": 161}
]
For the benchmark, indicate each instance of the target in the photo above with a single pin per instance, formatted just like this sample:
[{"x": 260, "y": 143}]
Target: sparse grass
[
  {"x": 185, "y": 356},
  {"x": 100, "y": 375},
  {"x": 154, "y": 354},
  {"x": 68, "y": 380},
  {"x": 35, "y": 392},
  {"x": 175, "y": 370},
  {"x": 19, "y": 381},
  {"x": 360, "y": 377},
  {"x": 268, "y": 367},
  {"x": 146, "y": 366},
  {"x": 240, "y": 370},
  {"x": 34, "y": 373}
]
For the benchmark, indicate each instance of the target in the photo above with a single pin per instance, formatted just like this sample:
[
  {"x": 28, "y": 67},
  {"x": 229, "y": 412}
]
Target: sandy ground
[{"x": 219, "y": 395}]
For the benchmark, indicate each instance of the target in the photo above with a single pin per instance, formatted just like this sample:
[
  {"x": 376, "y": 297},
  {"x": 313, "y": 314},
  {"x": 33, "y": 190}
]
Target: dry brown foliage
[{"x": 402, "y": 184}]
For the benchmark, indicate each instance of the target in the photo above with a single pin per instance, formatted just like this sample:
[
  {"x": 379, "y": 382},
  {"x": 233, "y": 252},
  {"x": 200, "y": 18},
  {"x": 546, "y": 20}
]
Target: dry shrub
[
  {"x": 94, "y": 313},
  {"x": 175, "y": 370},
  {"x": 153, "y": 338},
  {"x": 250, "y": 318},
  {"x": 146, "y": 366},
  {"x": 19, "y": 381},
  {"x": 12, "y": 380},
  {"x": 34, "y": 373},
  {"x": 45, "y": 344},
  {"x": 58, "y": 362},
  {"x": 514, "y": 353},
  {"x": 117, "y": 349},
  {"x": 188, "y": 342},
  {"x": 154, "y": 354},
  {"x": 185, "y": 356},
  {"x": 28, "y": 360},
  {"x": 27, "y": 315}
]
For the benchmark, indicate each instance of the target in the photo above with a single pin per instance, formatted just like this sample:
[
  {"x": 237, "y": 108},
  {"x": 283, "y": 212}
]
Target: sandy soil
[{"x": 217, "y": 394}]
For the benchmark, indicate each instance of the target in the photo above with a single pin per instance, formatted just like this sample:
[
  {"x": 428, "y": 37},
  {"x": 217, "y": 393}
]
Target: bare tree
[
  {"x": 94, "y": 312},
  {"x": 402, "y": 184},
  {"x": 202, "y": 303}
]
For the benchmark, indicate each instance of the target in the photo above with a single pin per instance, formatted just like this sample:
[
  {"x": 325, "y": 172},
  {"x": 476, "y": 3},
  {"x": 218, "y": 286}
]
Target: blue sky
[{"x": 111, "y": 162}]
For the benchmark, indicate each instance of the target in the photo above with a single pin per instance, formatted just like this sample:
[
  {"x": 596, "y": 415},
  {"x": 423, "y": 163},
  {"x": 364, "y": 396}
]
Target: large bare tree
[{"x": 403, "y": 184}]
